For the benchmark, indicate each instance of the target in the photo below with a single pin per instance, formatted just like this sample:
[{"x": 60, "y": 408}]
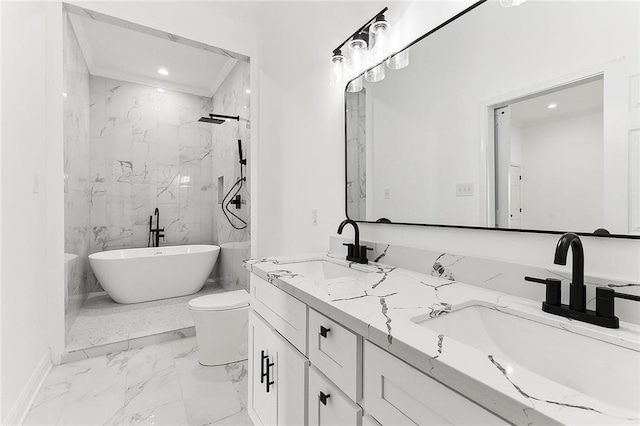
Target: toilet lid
[{"x": 220, "y": 301}]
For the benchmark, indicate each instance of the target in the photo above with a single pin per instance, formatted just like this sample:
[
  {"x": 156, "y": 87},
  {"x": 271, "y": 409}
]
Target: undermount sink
[
  {"x": 321, "y": 270},
  {"x": 598, "y": 369}
]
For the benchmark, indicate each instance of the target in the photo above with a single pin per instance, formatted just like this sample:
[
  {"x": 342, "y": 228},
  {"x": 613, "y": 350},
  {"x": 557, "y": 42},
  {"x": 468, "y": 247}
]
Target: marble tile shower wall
[
  {"x": 148, "y": 150},
  {"x": 77, "y": 188},
  {"x": 357, "y": 156},
  {"x": 232, "y": 98}
]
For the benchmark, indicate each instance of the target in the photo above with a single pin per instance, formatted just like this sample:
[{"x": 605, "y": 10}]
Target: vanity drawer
[
  {"x": 335, "y": 351},
  {"x": 395, "y": 393},
  {"x": 337, "y": 408},
  {"x": 286, "y": 314}
]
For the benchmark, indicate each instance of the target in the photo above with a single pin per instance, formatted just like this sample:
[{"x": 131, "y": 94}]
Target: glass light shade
[
  {"x": 399, "y": 60},
  {"x": 511, "y": 3},
  {"x": 358, "y": 43},
  {"x": 337, "y": 72},
  {"x": 379, "y": 27},
  {"x": 355, "y": 85},
  {"x": 375, "y": 74}
]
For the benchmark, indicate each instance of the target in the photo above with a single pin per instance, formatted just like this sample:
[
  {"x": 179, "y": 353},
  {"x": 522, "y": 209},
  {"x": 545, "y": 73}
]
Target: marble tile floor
[
  {"x": 103, "y": 322},
  {"x": 160, "y": 384}
]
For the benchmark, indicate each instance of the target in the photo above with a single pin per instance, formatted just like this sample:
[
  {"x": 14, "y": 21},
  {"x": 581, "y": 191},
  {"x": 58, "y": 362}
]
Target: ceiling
[
  {"x": 575, "y": 100},
  {"x": 124, "y": 54}
]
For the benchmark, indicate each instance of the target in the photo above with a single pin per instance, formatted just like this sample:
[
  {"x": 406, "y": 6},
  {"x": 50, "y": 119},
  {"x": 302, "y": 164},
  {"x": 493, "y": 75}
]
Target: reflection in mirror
[
  {"x": 446, "y": 140},
  {"x": 549, "y": 165}
]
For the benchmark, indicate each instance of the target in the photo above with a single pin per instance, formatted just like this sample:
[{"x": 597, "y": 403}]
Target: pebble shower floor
[{"x": 156, "y": 385}]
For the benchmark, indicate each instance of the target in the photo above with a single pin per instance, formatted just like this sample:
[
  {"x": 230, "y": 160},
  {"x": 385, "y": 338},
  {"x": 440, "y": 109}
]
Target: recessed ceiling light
[
  {"x": 64, "y": 94},
  {"x": 248, "y": 91},
  {"x": 163, "y": 71},
  {"x": 551, "y": 106},
  {"x": 160, "y": 89}
]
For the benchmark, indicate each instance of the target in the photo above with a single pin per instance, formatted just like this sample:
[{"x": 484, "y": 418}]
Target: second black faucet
[{"x": 355, "y": 252}]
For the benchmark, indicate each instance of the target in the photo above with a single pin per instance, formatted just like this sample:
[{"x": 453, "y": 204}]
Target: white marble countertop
[{"x": 380, "y": 304}]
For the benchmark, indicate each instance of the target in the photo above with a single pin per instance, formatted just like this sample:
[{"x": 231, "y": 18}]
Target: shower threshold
[{"x": 104, "y": 326}]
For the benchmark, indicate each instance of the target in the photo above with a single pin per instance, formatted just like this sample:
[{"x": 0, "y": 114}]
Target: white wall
[
  {"x": 562, "y": 183},
  {"x": 24, "y": 190}
]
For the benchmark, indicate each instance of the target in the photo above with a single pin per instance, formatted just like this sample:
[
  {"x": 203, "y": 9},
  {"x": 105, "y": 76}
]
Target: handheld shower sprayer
[{"x": 243, "y": 161}]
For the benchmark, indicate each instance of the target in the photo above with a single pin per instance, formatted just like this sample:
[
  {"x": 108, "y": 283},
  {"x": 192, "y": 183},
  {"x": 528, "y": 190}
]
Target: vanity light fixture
[
  {"x": 163, "y": 71},
  {"x": 360, "y": 53}
]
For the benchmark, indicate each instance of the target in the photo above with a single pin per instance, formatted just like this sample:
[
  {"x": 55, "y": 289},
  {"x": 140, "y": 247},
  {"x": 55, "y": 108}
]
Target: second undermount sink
[
  {"x": 321, "y": 270},
  {"x": 601, "y": 370}
]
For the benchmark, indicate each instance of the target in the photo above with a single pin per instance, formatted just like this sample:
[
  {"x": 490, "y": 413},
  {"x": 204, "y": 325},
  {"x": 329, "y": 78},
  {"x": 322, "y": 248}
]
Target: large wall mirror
[{"x": 521, "y": 118}]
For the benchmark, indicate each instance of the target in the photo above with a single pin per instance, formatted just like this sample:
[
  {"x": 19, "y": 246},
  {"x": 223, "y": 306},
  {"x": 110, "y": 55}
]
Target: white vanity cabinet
[
  {"x": 277, "y": 377},
  {"x": 344, "y": 381}
]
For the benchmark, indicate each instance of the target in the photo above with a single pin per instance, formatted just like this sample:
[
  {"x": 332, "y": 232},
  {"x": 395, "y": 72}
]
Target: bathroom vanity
[{"x": 333, "y": 342}]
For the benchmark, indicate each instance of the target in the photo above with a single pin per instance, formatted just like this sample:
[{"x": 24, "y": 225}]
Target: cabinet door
[
  {"x": 290, "y": 377},
  {"x": 262, "y": 404},
  {"x": 395, "y": 393},
  {"x": 328, "y": 406}
]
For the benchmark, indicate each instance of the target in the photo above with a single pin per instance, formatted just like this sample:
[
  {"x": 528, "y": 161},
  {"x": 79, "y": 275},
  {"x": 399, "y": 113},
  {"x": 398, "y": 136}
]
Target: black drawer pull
[
  {"x": 323, "y": 398},
  {"x": 269, "y": 381},
  {"x": 324, "y": 331},
  {"x": 262, "y": 373}
]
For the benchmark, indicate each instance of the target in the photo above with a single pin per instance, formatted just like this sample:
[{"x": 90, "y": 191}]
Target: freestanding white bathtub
[{"x": 144, "y": 274}]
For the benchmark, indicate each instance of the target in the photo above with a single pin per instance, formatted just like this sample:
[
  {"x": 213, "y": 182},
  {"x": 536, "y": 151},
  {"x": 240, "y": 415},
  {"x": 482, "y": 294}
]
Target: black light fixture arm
[{"x": 359, "y": 30}]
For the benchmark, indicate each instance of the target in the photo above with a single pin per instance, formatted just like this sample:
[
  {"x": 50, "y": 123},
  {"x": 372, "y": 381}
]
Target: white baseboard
[{"x": 21, "y": 407}]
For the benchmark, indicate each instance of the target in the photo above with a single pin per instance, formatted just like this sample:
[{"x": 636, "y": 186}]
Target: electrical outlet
[
  {"x": 464, "y": 189},
  {"x": 314, "y": 217},
  {"x": 387, "y": 194}
]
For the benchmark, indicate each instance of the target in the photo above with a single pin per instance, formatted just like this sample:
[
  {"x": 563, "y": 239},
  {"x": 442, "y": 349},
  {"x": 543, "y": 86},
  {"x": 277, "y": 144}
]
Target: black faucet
[
  {"x": 157, "y": 233},
  {"x": 577, "y": 290},
  {"x": 577, "y": 308},
  {"x": 355, "y": 252}
]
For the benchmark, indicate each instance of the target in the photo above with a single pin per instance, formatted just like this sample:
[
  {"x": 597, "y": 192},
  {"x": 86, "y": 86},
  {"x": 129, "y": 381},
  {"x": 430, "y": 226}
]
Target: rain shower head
[
  {"x": 218, "y": 118},
  {"x": 211, "y": 120}
]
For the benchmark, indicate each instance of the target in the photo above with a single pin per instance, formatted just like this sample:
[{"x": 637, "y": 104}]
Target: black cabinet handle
[
  {"x": 262, "y": 373},
  {"x": 269, "y": 381},
  {"x": 324, "y": 331},
  {"x": 323, "y": 398}
]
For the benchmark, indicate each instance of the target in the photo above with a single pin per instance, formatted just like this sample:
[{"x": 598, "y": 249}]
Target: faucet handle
[
  {"x": 363, "y": 252},
  {"x": 604, "y": 301},
  {"x": 350, "y": 249},
  {"x": 554, "y": 288}
]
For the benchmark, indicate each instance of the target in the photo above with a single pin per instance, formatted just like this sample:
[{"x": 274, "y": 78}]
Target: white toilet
[{"x": 221, "y": 321}]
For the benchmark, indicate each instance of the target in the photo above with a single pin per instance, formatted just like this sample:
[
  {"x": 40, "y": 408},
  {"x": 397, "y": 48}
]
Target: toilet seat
[{"x": 220, "y": 301}]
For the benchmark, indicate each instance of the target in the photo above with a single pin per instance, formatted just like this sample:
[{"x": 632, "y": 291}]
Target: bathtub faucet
[{"x": 156, "y": 233}]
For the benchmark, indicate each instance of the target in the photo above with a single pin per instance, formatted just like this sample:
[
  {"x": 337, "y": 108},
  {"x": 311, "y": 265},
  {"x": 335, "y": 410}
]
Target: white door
[
  {"x": 515, "y": 201},
  {"x": 502, "y": 152}
]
